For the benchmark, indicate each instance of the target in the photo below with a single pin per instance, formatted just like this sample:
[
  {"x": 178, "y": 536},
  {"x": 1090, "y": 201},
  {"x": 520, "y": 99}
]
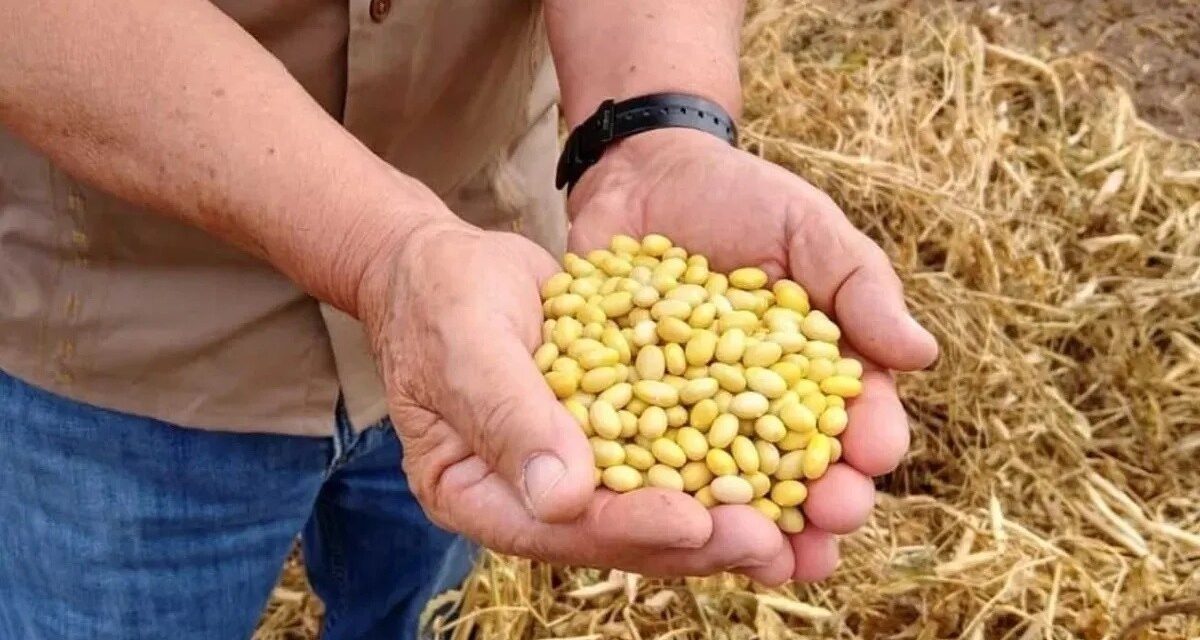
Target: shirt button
[{"x": 380, "y": 9}]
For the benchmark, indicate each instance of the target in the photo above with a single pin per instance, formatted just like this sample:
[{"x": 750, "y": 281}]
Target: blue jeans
[{"x": 114, "y": 526}]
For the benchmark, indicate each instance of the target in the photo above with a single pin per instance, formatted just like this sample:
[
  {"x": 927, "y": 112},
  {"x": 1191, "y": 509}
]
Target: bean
[
  {"x": 621, "y": 478},
  {"x": 703, "y": 414},
  {"x": 652, "y": 423},
  {"x": 790, "y": 295},
  {"x": 817, "y": 326},
  {"x": 815, "y": 402},
  {"x": 693, "y": 443},
  {"x": 748, "y": 405},
  {"x": 692, "y": 294},
  {"x": 655, "y": 245},
  {"x": 720, "y": 463},
  {"x": 604, "y": 420},
  {"x": 768, "y": 457},
  {"x": 760, "y": 481},
  {"x": 805, "y": 387},
  {"x": 848, "y": 367},
  {"x": 668, "y": 452},
  {"x": 676, "y": 361},
  {"x": 798, "y": 417},
  {"x": 598, "y": 379},
  {"x": 566, "y": 331},
  {"x": 629, "y": 424},
  {"x": 624, "y": 244},
  {"x": 703, "y": 315},
  {"x": 818, "y": 349},
  {"x": 766, "y": 382},
  {"x": 645, "y": 332},
  {"x": 586, "y": 287},
  {"x": 744, "y": 454},
  {"x": 770, "y": 428},
  {"x": 638, "y": 457},
  {"x": 578, "y": 267},
  {"x": 791, "y": 466},
  {"x": 556, "y": 285},
  {"x": 789, "y": 342},
  {"x": 700, "y": 347},
  {"x": 790, "y": 372},
  {"x": 731, "y": 490},
  {"x": 695, "y": 475},
  {"x": 562, "y": 383},
  {"x": 731, "y": 346},
  {"x": 833, "y": 421},
  {"x": 816, "y": 456},
  {"x": 748, "y": 278},
  {"x": 729, "y": 376},
  {"x": 607, "y": 453},
  {"x": 769, "y": 509},
  {"x": 705, "y": 497},
  {"x": 716, "y": 284},
  {"x": 744, "y": 320},
  {"x": 651, "y": 364},
  {"x": 677, "y": 416},
  {"x": 788, "y": 493},
  {"x": 723, "y": 430},
  {"x": 696, "y": 390},
  {"x": 545, "y": 356},
  {"x": 795, "y": 440},
  {"x": 672, "y": 329},
  {"x": 843, "y": 386},
  {"x": 602, "y": 357},
  {"x": 664, "y": 477},
  {"x": 790, "y": 520},
  {"x": 655, "y": 392}
]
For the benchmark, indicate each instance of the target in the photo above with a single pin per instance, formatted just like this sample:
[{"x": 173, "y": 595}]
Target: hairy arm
[
  {"x": 173, "y": 106},
  {"x": 626, "y": 48}
]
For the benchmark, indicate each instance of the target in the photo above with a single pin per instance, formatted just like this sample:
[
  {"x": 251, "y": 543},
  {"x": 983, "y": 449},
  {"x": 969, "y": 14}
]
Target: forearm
[
  {"x": 176, "y": 108},
  {"x": 625, "y": 48}
]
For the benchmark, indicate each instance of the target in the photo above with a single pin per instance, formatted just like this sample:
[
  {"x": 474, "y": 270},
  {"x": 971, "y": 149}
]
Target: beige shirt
[{"x": 117, "y": 307}]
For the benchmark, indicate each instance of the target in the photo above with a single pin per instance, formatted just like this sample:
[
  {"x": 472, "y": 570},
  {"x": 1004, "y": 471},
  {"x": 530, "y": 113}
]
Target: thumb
[
  {"x": 512, "y": 420},
  {"x": 849, "y": 276}
]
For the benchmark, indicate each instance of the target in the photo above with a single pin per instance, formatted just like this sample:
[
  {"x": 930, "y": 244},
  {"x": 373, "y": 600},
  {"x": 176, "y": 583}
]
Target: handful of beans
[{"x": 688, "y": 379}]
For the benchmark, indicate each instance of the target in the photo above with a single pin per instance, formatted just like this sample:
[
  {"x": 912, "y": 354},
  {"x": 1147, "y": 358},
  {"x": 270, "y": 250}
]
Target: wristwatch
[{"x": 616, "y": 120}]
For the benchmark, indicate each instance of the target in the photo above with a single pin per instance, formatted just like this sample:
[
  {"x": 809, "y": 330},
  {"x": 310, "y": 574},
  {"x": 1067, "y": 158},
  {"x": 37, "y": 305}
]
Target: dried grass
[{"x": 1051, "y": 239}]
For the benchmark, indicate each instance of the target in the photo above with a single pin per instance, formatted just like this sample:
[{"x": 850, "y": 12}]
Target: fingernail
[{"x": 542, "y": 472}]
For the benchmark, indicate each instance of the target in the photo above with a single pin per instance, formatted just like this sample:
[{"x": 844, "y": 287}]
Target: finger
[
  {"x": 742, "y": 540},
  {"x": 775, "y": 571},
  {"x": 877, "y": 436},
  {"x": 849, "y": 275},
  {"x": 514, "y": 422},
  {"x": 840, "y": 501},
  {"x": 650, "y": 531},
  {"x": 816, "y": 554}
]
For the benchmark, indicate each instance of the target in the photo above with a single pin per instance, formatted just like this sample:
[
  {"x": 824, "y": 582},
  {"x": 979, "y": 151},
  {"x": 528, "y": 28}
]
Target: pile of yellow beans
[{"x": 688, "y": 379}]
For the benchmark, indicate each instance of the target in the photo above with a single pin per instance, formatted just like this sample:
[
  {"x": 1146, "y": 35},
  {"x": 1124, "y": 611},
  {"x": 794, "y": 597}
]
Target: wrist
[
  {"x": 368, "y": 248},
  {"x": 630, "y": 167}
]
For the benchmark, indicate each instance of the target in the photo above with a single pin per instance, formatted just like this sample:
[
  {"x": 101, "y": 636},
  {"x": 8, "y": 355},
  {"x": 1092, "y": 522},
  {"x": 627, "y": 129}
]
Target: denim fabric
[{"x": 120, "y": 527}]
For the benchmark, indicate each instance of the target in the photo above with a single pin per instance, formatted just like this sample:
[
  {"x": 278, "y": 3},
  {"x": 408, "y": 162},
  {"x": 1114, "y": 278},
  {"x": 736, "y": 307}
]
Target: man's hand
[
  {"x": 742, "y": 211},
  {"x": 454, "y": 314}
]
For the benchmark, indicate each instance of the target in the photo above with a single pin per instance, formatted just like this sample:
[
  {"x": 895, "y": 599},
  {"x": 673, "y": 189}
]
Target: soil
[{"x": 1154, "y": 44}]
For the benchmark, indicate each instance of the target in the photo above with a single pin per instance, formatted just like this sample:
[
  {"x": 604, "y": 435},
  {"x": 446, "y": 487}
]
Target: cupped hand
[
  {"x": 740, "y": 210},
  {"x": 454, "y": 314}
]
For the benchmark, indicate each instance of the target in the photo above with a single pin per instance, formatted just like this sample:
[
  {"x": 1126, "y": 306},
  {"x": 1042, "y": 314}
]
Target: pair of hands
[{"x": 454, "y": 314}]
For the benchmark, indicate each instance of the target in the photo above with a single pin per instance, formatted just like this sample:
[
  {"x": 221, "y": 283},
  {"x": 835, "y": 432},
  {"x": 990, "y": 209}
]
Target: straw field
[{"x": 1051, "y": 240}]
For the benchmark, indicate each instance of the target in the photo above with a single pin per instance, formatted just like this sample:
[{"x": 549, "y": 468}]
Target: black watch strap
[{"x": 616, "y": 120}]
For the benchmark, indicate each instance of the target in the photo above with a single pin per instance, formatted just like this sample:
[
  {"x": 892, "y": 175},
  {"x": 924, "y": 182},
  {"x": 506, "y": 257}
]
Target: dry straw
[{"x": 1051, "y": 239}]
